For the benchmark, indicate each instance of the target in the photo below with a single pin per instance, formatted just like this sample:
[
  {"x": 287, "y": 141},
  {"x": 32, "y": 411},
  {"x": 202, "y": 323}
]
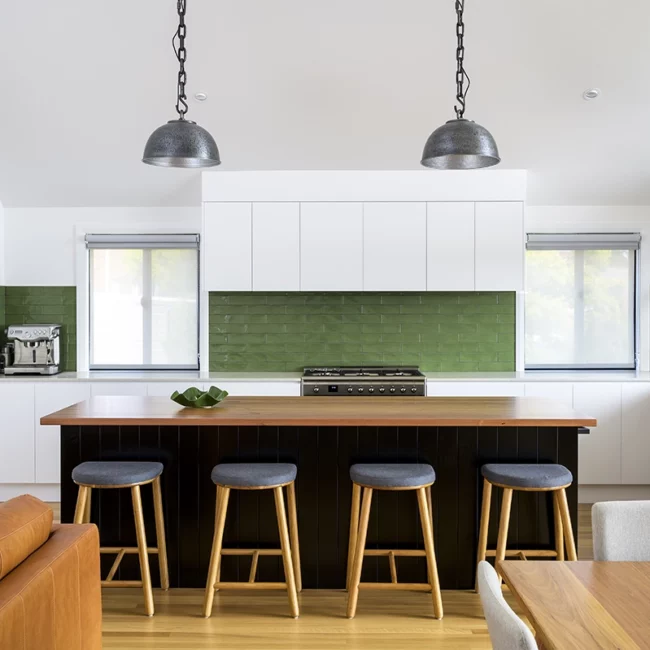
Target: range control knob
[
  {"x": 371, "y": 390},
  {"x": 402, "y": 389},
  {"x": 359, "y": 390},
  {"x": 316, "y": 389},
  {"x": 382, "y": 390},
  {"x": 414, "y": 389},
  {"x": 350, "y": 390},
  {"x": 392, "y": 389}
]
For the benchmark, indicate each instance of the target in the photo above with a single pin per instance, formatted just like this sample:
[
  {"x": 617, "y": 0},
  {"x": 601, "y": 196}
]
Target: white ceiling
[{"x": 329, "y": 84}]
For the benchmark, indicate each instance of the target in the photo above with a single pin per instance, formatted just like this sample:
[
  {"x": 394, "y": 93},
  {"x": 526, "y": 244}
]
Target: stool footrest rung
[
  {"x": 251, "y": 551},
  {"x": 121, "y": 583},
  {"x": 397, "y": 586},
  {"x": 387, "y": 552},
  {"x": 250, "y": 585},
  {"x": 129, "y": 550},
  {"x": 526, "y": 552}
]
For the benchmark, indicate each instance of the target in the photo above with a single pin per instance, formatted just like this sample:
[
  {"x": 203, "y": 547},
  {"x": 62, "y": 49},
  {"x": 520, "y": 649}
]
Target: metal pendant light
[
  {"x": 181, "y": 143},
  {"x": 460, "y": 143}
]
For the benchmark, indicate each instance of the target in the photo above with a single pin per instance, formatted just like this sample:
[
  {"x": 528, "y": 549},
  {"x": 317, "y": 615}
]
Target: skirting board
[
  {"x": 50, "y": 492},
  {"x": 595, "y": 493}
]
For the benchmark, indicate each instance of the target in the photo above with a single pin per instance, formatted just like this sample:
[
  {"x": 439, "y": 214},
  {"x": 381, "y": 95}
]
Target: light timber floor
[{"x": 260, "y": 621}]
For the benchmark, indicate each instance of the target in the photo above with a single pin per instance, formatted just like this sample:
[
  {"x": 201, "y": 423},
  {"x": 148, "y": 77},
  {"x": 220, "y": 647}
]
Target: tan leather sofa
[{"x": 50, "y": 596}]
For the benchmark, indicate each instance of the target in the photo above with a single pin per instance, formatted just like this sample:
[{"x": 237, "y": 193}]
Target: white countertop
[{"x": 189, "y": 376}]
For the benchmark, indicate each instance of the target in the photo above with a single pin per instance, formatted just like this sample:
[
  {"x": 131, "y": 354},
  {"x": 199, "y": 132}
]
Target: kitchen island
[{"x": 323, "y": 436}]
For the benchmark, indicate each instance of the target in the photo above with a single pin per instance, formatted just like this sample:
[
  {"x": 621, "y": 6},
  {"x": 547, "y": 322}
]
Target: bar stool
[
  {"x": 370, "y": 477},
  {"x": 126, "y": 474},
  {"x": 256, "y": 476},
  {"x": 526, "y": 478}
]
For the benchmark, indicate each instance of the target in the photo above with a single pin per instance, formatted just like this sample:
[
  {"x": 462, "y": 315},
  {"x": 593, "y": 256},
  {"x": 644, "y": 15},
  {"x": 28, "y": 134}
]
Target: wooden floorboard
[{"x": 260, "y": 621}]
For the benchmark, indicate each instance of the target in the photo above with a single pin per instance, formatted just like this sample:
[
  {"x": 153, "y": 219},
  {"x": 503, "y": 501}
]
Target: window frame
[
  {"x": 636, "y": 309},
  {"x": 147, "y": 278}
]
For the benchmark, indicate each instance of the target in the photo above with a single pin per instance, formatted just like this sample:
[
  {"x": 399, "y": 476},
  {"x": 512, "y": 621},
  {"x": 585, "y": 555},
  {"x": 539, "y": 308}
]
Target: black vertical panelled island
[{"x": 323, "y": 437}]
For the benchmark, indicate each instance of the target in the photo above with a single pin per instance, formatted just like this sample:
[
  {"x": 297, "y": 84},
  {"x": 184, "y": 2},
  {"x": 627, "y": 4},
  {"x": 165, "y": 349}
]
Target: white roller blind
[
  {"x": 582, "y": 241},
  {"x": 142, "y": 241}
]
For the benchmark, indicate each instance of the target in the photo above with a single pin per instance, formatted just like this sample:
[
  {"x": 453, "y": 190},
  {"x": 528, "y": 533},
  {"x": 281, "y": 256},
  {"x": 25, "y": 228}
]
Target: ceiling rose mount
[
  {"x": 460, "y": 143},
  {"x": 181, "y": 143}
]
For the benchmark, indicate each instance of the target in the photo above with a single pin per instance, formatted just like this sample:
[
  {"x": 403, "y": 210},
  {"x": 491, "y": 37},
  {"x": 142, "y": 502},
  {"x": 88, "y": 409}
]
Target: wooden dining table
[{"x": 584, "y": 605}]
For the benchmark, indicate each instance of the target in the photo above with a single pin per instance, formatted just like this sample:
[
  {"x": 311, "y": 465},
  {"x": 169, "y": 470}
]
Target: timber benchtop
[{"x": 325, "y": 411}]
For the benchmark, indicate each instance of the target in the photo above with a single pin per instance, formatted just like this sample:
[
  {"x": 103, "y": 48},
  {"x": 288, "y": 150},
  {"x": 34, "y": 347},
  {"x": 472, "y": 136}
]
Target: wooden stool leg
[
  {"x": 485, "y": 524},
  {"x": 432, "y": 567},
  {"x": 286, "y": 552},
  {"x": 223, "y": 494},
  {"x": 293, "y": 532},
  {"x": 142, "y": 550},
  {"x": 354, "y": 530},
  {"x": 80, "y": 509},
  {"x": 559, "y": 532},
  {"x": 503, "y": 528},
  {"x": 355, "y": 579},
  {"x": 566, "y": 524},
  {"x": 160, "y": 534},
  {"x": 87, "y": 510}
]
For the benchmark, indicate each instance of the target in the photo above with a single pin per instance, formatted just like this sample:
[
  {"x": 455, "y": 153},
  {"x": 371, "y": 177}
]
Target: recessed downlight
[
  {"x": 200, "y": 97},
  {"x": 591, "y": 93}
]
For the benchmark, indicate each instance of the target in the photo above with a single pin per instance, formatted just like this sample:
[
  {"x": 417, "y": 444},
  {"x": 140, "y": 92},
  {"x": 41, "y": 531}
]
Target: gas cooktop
[{"x": 364, "y": 381}]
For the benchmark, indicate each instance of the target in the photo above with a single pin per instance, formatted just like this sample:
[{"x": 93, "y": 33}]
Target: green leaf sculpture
[{"x": 199, "y": 399}]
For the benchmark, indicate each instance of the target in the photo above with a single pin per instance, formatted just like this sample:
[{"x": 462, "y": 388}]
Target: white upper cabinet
[
  {"x": 394, "y": 246},
  {"x": 331, "y": 247},
  {"x": 499, "y": 241},
  {"x": 450, "y": 246},
  {"x": 226, "y": 247},
  {"x": 276, "y": 246}
]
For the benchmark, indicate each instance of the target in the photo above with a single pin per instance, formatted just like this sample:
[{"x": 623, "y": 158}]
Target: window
[
  {"x": 144, "y": 301},
  {"x": 580, "y": 301}
]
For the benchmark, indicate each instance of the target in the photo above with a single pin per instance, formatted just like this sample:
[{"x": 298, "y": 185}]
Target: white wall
[
  {"x": 39, "y": 245},
  {"x": 603, "y": 218}
]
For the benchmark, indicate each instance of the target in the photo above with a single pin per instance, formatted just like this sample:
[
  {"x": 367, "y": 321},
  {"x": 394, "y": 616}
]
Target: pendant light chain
[
  {"x": 181, "y": 55},
  {"x": 461, "y": 75}
]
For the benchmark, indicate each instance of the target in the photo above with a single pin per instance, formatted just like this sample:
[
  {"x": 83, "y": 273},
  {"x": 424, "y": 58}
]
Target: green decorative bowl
[{"x": 199, "y": 399}]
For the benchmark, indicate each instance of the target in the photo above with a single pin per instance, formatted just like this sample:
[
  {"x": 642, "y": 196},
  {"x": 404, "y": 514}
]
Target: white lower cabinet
[
  {"x": 635, "y": 444},
  {"x": 261, "y": 388},
  {"x": 117, "y": 388},
  {"x": 17, "y": 433},
  {"x": 561, "y": 391},
  {"x": 166, "y": 388},
  {"x": 599, "y": 453},
  {"x": 50, "y": 397},
  {"x": 475, "y": 389}
]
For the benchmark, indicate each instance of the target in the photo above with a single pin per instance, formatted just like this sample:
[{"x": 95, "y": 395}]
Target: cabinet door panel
[
  {"x": 276, "y": 247},
  {"x": 17, "y": 433},
  {"x": 226, "y": 247},
  {"x": 499, "y": 255},
  {"x": 52, "y": 397},
  {"x": 261, "y": 388},
  {"x": 331, "y": 247},
  {"x": 636, "y": 433},
  {"x": 394, "y": 247},
  {"x": 556, "y": 391},
  {"x": 166, "y": 388},
  {"x": 475, "y": 389},
  {"x": 599, "y": 453},
  {"x": 117, "y": 388},
  {"x": 450, "y": 246}
]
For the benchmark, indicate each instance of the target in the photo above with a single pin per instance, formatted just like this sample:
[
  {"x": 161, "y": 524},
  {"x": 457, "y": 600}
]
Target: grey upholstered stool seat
[
  {"x": 116, "y": 472},
  {"x": 392, "y": 475},
  {"x": 527, "y": 475},
  {"x": 254, "y": 474}
]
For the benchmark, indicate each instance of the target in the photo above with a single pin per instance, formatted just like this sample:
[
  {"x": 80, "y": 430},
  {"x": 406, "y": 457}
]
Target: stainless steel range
[{"x": 373, "y": 381}]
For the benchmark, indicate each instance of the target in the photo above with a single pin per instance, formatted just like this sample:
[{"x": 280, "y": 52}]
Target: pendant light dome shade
[
  {"x": 460, "y": 144},
  {"x": 181, "y": 143}
]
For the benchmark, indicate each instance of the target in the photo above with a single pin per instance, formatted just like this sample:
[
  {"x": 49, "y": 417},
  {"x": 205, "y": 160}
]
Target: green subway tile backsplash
[
  {"x": 29, "y": 305},
  {"x": 447, "y": 332}
]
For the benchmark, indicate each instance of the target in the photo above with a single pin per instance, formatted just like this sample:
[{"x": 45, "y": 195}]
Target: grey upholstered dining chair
[
  {"x": 507, "y": 630},
  {"x": 621, "y": 531}
]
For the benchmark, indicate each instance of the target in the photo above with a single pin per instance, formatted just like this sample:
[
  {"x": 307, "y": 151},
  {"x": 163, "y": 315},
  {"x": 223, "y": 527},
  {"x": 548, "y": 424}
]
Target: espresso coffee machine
[{"x": 32, "y": 350}]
